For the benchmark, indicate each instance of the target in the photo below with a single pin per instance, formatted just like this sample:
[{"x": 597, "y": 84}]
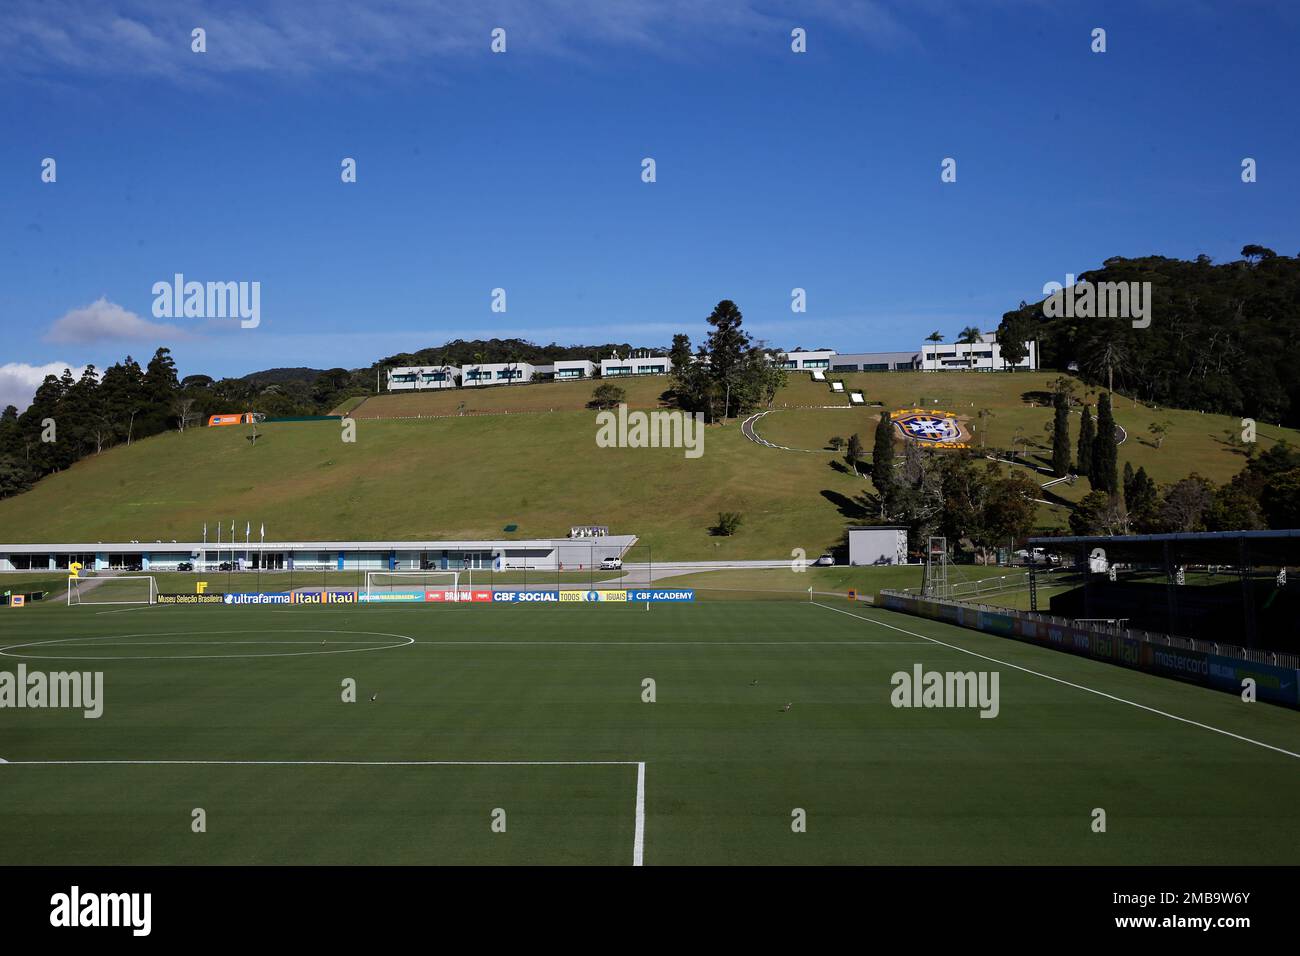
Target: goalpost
[
  {"x": 118, "y": 589},
  {"x": 380, "y": 582}
]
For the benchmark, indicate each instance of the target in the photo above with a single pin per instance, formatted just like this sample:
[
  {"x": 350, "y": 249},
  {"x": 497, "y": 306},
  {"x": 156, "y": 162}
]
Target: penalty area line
[
  {"x": 638, "y": 839},
  {"x": 1059, "y": 680}
]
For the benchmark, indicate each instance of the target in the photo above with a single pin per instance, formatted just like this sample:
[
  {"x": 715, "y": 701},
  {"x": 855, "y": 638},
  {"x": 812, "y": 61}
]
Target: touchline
[{"x": 57, "y": 690}]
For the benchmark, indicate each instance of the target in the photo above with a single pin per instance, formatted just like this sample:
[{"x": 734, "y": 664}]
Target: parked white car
[
  {"x": 825, "y": 561},
  {"x": 611, "y": 564}
]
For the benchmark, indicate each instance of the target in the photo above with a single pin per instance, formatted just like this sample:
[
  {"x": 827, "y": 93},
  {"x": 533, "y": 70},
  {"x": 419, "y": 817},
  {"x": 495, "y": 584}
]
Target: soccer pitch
[{"x": 538, "y": 711}]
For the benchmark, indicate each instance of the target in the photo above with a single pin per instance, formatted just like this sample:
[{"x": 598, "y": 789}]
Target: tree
[
  {"x": 836, "y": 443},
  {"x": 727, "y": 345},
  {"x": 1280, "y": 499},
  {"x": 1233, "y": 510},
  {"x": 854, "y": 453},
  {"x": 1087, "y": 437},
  {"x": 1253, "y": 253},
  {"x": 1060, "y": 435},
  {"x": 1185, "y": 503},
  {"x": 1105, "y": 452},
  {"x": 680, "y": 353},
  {"x": 983, "y": 415},
  {"x": 1160, "y": 431},
  {"x": 1106, "y": 353},
  {"x": 1143, "y": 501},
  {"x": 1012, "y": 334},
  {"x": 607, "y": 395},
  {"x": 1098, "y": 513},
  {"x": 1011, "y": 508},
  {"x": 882, "y": 456},
  {"x": 936, "y": 336}
]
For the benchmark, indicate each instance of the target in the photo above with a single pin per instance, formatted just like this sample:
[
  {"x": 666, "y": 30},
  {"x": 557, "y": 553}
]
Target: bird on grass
[
  {"x": 374, "y": 697},
  {"x": 786, "y": 708},
  {"x": 754, "y": 682}
]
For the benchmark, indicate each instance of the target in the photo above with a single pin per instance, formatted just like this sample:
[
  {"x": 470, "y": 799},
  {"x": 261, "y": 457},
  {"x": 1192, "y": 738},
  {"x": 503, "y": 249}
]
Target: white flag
[{"x": 263, "y": 530}]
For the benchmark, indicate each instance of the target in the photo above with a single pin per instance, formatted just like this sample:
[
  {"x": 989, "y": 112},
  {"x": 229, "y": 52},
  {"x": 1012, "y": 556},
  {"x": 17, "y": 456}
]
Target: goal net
[
  {"x": 382, "y": 583},
  {"x": 117, "y": 589}
]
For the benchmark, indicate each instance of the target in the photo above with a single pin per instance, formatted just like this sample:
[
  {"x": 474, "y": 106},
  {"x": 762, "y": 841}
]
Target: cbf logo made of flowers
[{"x": 930, "y": 426}]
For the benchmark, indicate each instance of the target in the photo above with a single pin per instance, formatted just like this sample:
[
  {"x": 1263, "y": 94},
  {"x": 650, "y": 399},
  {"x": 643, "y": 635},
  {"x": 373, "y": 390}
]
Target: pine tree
[
  {"x": 1105, "y": 453},
  {"x": 854, "y": 453},
  {"x": 1087, "y": 436},
  {"x": 882, "y": 455},
  {"x": 1060, "y": 436}
]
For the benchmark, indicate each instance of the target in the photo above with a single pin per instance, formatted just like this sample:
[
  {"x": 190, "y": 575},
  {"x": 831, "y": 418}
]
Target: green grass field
[
  {"x": 474, "y": 702},
  {"x": 513, "y": 461}
]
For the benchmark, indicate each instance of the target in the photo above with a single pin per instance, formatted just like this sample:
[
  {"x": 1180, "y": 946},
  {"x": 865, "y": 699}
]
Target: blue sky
[{"x": 523, "y": 170}]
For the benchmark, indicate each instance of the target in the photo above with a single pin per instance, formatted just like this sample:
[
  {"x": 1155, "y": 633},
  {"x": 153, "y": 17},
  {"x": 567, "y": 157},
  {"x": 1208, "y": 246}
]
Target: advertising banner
[
  {"x": 393, "y": 597},
  {"x": 214, "y": 598},
  {"x": 673, "y": 594},
  {"x": 259, "y": 597},
  {"x": 526, "y": 597}
]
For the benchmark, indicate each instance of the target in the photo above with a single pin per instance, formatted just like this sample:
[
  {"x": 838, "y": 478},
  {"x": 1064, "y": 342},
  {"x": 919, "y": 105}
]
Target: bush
[
  {"x": 607, "y": 395},
  {"x": 728, "y": 523}
]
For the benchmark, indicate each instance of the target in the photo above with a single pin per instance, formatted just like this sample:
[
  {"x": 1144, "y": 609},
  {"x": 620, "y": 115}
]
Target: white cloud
[
  {"x": 106, "y": 321},
  {"x": 292, "y": 37},
  {"x": 19, "y": 381}
]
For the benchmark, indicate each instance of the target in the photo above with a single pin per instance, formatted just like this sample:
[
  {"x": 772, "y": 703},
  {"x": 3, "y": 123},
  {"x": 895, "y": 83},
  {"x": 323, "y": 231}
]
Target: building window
[{"x": 816, "y": 363}]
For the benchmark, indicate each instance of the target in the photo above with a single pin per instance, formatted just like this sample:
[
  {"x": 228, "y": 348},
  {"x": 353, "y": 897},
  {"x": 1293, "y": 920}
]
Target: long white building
[
  {"x": 575, "y": 553},
  {"x": 984, "y": 356}
]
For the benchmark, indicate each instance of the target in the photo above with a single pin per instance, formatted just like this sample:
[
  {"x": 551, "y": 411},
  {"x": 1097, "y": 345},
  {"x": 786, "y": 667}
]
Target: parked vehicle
[
  {"x": 611, "y": 564},
  {"x": 825, "y": 561},
  {"x": 185, "y": 566}
]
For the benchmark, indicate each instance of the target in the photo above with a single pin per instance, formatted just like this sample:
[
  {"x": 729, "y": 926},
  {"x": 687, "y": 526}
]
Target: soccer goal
[
  {"x": 379, "y": 583},
  {"x": 116, "y": 589}
]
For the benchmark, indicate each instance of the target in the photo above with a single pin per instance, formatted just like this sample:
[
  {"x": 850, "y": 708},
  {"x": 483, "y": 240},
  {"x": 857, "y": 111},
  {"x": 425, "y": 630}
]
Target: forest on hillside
[{"x": 1222, "y": 338}]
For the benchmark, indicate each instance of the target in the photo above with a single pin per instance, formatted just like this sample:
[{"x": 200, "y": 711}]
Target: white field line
[
  {"x": 638, "y": 842},
  {"x": 1058, "y": 680}
]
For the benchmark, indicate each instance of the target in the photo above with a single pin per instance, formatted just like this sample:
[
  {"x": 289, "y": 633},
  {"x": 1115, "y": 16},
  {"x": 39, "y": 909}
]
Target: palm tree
[
  {"x": 971, "y": 335},
  {"x": 1107, "y": 355},
  {"x": 984, "y": 414},
  {"x": 935, "y": 336}
]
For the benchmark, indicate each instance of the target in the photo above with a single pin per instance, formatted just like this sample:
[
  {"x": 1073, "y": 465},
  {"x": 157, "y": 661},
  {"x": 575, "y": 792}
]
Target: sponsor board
[
  {"x": 672, "y": 594},
  {"x": 18, "y": 600},
  {"x": 463, "y": 596},
  {"x": 259, "y": 597},
  {"x": 1275, "y": 684},
  {"x": 324, "y": 597},
  {"x": 393, "y": 597},
  {"x": 213, "y": 598},
  {"x": 592, "y": 597},
  {"x": 526, "y": 597}
]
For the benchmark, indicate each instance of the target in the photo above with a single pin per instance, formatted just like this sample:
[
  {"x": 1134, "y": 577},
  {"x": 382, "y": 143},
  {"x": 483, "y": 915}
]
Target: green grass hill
[{"x": 527, "y": 455}]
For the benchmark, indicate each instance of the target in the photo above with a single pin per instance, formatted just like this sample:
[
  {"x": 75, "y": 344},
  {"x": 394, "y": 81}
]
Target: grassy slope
[
  {"x": 469, "y": 476},
  {"x": 724, "y": 763}
]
